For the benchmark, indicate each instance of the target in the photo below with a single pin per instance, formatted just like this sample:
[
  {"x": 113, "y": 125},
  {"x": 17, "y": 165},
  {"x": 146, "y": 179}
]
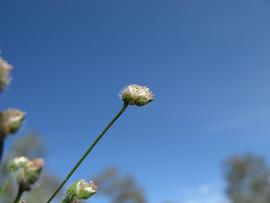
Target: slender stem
[
  {"x": 2, "y": 140},
  {"x": 88, "y": 151},
  {"x": 19, "y": 195},
  {"x": 4, "y": 186}
]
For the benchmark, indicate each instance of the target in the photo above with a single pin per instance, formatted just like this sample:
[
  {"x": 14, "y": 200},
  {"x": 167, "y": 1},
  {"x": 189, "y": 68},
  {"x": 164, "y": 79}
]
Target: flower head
[
  {"x": 10, "y": 121},
  {"x": 25, "y": 171},
  {"x": 80, "y": 190},
  {"x": 5, "y": 69},
  {"x": 137, "y": 95}
]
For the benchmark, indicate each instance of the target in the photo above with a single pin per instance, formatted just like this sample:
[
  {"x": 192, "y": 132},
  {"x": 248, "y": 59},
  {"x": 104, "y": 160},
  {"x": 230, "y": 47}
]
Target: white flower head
[
  {"x": 5, "y": 65},
  {"x": 15, "y": 115},
  {"x": 10, "y": 121},
  {"x": 137, "y": 95},
  {"x": 5, "y": 69},
  {"x": 25, "y": 171}
]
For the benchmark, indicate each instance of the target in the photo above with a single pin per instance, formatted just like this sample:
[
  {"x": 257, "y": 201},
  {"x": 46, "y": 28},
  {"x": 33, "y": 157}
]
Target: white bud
[
  {"x": 85, "y": 189},
  {"x": 10, "y": 121},
  {"x": 26, "y": 172},
  {"x": 18, "y": 162},
  {"x": 5, "y": 69},
  {"x": 80, "y": 190}
]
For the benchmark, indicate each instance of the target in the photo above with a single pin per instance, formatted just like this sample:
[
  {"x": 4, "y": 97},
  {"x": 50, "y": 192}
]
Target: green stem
[
  {"x": 88, "y": 151},
  {"x": 19, "y": 195},
  {"x": 67, "y": 200},
  {"x": 4, "y": 186}
]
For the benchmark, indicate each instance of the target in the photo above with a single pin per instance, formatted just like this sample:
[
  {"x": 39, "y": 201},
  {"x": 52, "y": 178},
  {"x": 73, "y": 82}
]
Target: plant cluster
[{"x": 26, "y": 171}]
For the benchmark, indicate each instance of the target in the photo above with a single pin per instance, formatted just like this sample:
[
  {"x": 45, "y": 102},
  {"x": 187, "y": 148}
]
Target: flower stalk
[
  {"x": 88, "y": 151},
  {"x": 131, "y": 95},
  {"x": 19, "y": 194}
]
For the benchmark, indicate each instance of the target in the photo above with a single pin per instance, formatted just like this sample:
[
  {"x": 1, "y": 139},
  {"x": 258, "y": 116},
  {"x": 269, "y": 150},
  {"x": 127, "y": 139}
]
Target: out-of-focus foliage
[
  {"x": 120, "y": 189},
  {"x": 247, "y": 179},
  {"x": 29, "y": 146}
]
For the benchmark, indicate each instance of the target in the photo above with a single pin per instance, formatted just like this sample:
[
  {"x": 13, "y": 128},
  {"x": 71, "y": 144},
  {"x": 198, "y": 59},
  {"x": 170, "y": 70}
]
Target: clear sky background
[{"x": 206, "y": 61}]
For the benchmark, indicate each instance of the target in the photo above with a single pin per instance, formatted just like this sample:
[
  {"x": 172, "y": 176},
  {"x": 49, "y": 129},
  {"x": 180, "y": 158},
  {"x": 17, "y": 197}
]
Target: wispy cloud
[
  {"x": 205, "y": 193},
  {"x": 241, "y": 120},
  {"x": 211, "y": 192}
]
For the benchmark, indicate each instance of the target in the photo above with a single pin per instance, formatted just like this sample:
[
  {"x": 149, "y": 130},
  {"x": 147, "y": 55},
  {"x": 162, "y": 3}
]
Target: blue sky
[{"x": 206, "y": 61}]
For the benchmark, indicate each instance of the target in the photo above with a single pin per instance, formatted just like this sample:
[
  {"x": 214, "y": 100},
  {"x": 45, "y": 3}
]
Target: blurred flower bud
[
  {"x": 80, "y": 190},
  {"x": 10, "y": 121},
  {"x": 85, "y": 189},
  {"x": 26, "y": 172},
  {"x": 5, "y": 69},
  {"x": 33, "y": 170},
  {"x": 136, "y": 95}
]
